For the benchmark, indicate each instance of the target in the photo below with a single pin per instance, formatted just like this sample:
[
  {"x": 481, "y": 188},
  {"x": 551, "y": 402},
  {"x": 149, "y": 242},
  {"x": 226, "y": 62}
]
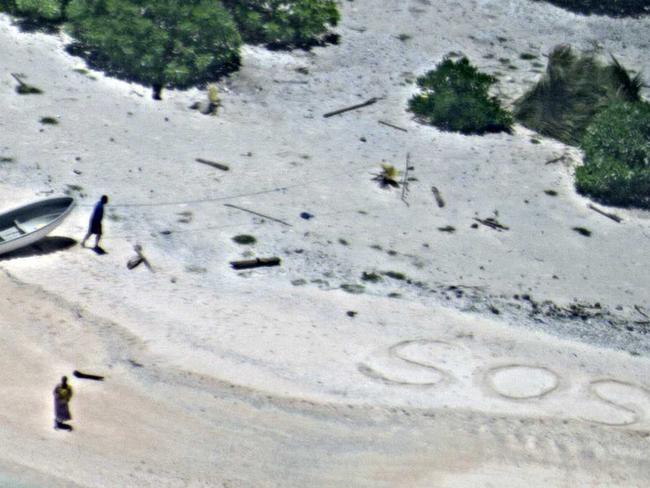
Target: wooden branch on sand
[
  {"x": 612, "y": 216},
  {"x": 220, "y": 166},
  {"x": 438, "y": 196},
  {"x": 388, "y": 124},
  {"x": 86, "y": 376},
  {"x": 138, "y": 259},
  {"x": 258, "y": 214},
  {"x": 255, "y": 263},
  {"x": 352, "y": 107},
  {"x": 405, "y": 179},
  {"x": 638, "y": 309},
  {"x": 492, "y": 223},
  {"x": 556, "y": 160},
  {"x": 17, "y": 78}
]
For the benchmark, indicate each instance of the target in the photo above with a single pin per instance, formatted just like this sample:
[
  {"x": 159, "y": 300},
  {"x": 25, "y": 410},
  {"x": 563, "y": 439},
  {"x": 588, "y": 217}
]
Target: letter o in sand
[{"x": 521, "y": 382}]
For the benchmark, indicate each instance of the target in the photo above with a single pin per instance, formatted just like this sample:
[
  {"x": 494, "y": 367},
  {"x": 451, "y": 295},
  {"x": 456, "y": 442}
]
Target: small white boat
[{"x": 28, "y": 224}]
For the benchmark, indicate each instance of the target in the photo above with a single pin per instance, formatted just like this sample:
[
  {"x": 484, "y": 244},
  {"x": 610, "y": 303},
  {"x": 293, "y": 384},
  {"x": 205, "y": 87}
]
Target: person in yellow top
[{"x": 62, "y": 395}]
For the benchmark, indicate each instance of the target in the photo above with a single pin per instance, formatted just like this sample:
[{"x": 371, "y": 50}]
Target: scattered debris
[
  {"x": 214, "y": 164},
  {"x": 371, "y": 277},
  {"x": 638, "y": 309},
  {"x": 396, "y": 275},
  {"x": 582, "y": 231},
  {"x": 257, "y": 213},
  {"x": 211, "y": 105},
  {"x": 186, "y": 217},
  {"x": 491, "y": 222},
  {"x": 388, "y": 176},
  {"x": 438, "y": 197},
  {"x": 612, "y": 216},
  {"x": 556, "y": 160},
  {"x": 86, "y": 376},
  {"x": 447, "y": 228},
  {"x": 405, "y": 180},
  {"x": 388, "y": 124},
  {"x": 25, "y": 89},
  {"x": 138, "y": 259},
  {"x": 292, "y": 82},
  {"x": 353, "y": 107},
  {"x": 353, "y": 288},
  {"x": 255, "y": 263},
  {"x": 244, "y": 239}
]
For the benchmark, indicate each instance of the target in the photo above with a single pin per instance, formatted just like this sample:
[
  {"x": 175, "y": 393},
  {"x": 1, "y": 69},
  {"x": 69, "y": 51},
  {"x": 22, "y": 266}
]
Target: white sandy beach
[{"x": 444, "y": 375}]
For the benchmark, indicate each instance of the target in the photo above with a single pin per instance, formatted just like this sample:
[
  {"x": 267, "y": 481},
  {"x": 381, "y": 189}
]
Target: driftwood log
[
  {"x": 492, "y": 223},
  {"x": 86, "y": 376},
  {"x": 255, "y": 263},
  {"x": 388, "y": 124},
  {"x": 352, "y": 107},
  {"x": 438, "y": 196},
  {"x": 611, "y": 216},
  {"x": 222, "y": 167}
]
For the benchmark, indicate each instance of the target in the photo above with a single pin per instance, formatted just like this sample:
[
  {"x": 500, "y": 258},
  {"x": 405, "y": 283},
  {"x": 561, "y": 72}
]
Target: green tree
[
  {"x": 36, "y": 11},
  {"x": 162, "y": 43},
  {"x": 616, "y": 167},
  {"x": 455, "y": 97},
  {"x": 573, "y": 90},
  {"x": 286, "y": 22}
]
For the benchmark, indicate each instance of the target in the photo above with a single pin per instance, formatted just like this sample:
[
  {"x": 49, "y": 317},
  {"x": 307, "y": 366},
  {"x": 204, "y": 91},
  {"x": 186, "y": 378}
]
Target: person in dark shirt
[
  {"x": 95, "y": 226},
  {"x": 62, "y": 395}
]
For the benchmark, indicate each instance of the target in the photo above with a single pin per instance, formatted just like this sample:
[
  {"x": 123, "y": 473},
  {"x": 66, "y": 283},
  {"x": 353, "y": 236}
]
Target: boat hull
[{"x": 30, "y": 223}]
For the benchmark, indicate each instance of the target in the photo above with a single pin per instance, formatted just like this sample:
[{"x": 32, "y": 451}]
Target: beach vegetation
[
  {"x": 573, "y": 90},
  {"x": 25, "y": 89},
  {"x": 161, "y": 43},
  {"x": 283, "y": 23},
  {"x": 616, "y": 166},
  {"x": 168, "y": 43},
  {"x": 396, "y": 275},
  {"x": 612, "y": 8},
  {"x": 454, "y": 97},
  {"x": 388, "y": 176},
  {"x": 244, "y": 239},
  {"x": 371, "y": 277},
  {"x": 353, "y": 288},
  {"x": 35, "y": 14}
]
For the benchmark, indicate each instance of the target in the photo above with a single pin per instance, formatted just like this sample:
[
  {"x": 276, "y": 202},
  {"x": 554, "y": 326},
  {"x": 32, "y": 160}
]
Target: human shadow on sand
[{"x": 47, "y": 245}]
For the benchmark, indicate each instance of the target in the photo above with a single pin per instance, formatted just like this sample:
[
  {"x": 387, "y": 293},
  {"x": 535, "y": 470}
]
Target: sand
[{"x": 441, "y": 374}]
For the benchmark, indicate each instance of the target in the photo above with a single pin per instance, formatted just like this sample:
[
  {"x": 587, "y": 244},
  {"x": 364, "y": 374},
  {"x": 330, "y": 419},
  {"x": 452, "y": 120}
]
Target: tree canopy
[
  {"x": 175, "y": 43},
  {"x": 288, "y": 22},
  {"x": 157, "y": 42}
]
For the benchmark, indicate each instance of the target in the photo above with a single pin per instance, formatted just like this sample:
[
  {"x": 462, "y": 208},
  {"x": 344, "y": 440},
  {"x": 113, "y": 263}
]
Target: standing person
[
  {"x": 62, "y": 395},
  {"x": 95, "y": 226}
]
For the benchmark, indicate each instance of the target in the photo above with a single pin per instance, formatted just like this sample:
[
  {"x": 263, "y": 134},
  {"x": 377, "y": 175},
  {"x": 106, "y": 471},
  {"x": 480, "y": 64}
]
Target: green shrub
[
  {"x": 455, "y": 98},
  {"x": 162, "y": 43},
  {"x": 614, "y": 8},
  {"x": 244, "y": 239},
  {"x": 285, "y": 22},
  {"x": 574, "y": 88},
  {"x": 616, "y": 167},
  {"x": 36, "y": 11}
]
